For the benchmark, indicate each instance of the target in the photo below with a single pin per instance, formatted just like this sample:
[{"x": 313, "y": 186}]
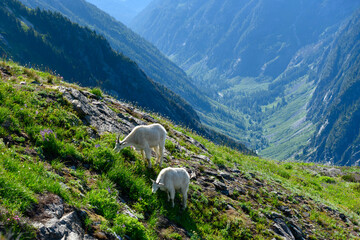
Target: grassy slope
[
  {"x": 42, "y": 137},
  {"x": 287, "y": 130}
]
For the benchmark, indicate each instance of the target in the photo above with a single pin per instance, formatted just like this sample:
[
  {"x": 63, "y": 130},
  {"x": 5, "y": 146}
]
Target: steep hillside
[
  {"x": 51, "y": 41},
  {"x": 335, "y": 105},
  {"x": 124, "y": 11},
  {"x": 60, "y": 177},
  {"x": 122, "y": 39}
]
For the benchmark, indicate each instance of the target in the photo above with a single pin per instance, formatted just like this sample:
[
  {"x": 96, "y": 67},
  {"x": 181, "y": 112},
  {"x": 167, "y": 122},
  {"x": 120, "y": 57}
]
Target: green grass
[
  {"x": 97, "y": 91},
  {"x": 287, "y": 130}
]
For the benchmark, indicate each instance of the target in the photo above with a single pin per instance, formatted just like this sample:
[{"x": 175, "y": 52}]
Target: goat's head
[
  {"x": 119, "y": 145},
  {"x": 156, "y": 186}
]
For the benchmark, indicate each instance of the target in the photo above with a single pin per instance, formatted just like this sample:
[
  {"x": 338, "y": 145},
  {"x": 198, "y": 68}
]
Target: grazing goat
[
  {"x": 171, "y": 179},
  {"x": 144, "y": 138}
]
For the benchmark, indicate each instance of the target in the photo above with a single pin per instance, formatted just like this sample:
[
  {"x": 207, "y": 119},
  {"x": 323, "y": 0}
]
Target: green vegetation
[
  {"x": 97, "y": 92},
  {"x": 45, "y": 148}
]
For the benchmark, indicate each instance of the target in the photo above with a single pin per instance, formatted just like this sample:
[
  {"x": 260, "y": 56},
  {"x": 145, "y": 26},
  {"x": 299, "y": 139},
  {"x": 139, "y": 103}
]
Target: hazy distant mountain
[
  {"x": 122, "y": 10},
  {"x": 215, "y": 40}
]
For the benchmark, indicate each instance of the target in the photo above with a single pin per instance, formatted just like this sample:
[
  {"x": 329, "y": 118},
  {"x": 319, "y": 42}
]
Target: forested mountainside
[
  {"x": 335, "y": 106},
  {"x": 50, "y": 41},
  {"x": 124, "y": 10},
  {"x": 61, "y": 179},
  {"x": 265, "y": 60},
  {"x": 236, "y": 38},
  {"x": 149, "y": 58}
]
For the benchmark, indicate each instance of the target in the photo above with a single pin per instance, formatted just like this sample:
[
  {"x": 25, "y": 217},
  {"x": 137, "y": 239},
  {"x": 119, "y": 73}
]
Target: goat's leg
[
  {"x": 161, "y": 152},
  {"x": 172, "y": 196},
  {"x": 184, "y": 193},
  {"x": 157, "y": 151},
  {"x": 143, "y": 154},
  {"x": 148, "y": 155}
]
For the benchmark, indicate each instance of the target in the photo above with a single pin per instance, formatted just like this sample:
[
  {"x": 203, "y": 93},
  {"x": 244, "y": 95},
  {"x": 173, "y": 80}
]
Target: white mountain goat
[
  {"x": 144, "y": 138},
  {"x": 170, "y": 180}
]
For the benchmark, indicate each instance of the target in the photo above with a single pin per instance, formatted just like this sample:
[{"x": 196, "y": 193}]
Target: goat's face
[
  {"x": 119, "y": 145},
  {"x": 156, "y": 186}
]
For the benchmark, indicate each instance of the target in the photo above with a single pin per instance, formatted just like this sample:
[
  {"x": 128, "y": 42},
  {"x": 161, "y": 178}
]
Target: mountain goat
[
  {"x": 144, "y": 138},
  {"x": 171, "y": 179}
]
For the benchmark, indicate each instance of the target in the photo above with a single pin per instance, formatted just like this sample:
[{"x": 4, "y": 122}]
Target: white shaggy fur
[
  {"x": 144, "y": 138},
  {"x": 170, "y": 180}
]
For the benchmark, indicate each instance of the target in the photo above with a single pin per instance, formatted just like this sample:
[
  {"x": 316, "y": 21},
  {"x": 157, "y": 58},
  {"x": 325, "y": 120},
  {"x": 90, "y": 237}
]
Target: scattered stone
[
  {"x": 227, "y": 176},
  {"x": 275, "y": 215},
  {"x": 220, "y": 186},
  {"x": 22, "y": 83},
  {"x": 306, "y": 214},
  {"x": 210, "y": 172},
  {"x": 240, "y": 190},
  {"x": 200, "y": 158},
  {"x": 343, "y": 217},
  {"x": 296, "y": 231},
  {"x": 258, "y": 183},
  {"x": 280, "y": 228},
  {"x": 36, "y": 82},
  {"x": 332, "y": 172},
  {"x": 286, "y": 210}
]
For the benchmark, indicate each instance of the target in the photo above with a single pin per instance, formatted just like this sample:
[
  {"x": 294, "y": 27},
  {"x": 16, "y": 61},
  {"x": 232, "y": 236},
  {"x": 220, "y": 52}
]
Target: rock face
[
  {"x": 55, "y": 222},
  {"x": 96, "y": 113}
]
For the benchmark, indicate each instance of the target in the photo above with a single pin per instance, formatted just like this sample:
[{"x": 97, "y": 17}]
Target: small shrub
[
  {"x": 125, "y": 225},
  {"x": 327, "y": 179},
  {"x": 288, "y": 166},
  {"x": 283, "y": 174},
  {"x": 49, "y": 144},
  {"x": 97, "y": 92},
  {"x": 357, "y": 187},
  {"x": 349, "y": 177},
  {"x": 50, "y": 79}
]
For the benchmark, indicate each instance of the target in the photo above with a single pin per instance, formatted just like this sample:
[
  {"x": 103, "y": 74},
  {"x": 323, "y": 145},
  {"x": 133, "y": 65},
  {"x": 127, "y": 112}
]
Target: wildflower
[
  {"x": 109, "y": 190},
  {"x": 36, "y": 112},
  {"x": 97, "y": 145},
  {"x": 25, "y": 105},
  {"x": 123, "y": 225}
]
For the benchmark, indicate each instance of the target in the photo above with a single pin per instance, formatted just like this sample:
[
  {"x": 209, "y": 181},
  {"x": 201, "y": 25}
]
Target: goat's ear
[
  {"x": 161, "y": 184},
  {"x": 152, "y": 180},
  {"x": 118, "y": 138}
]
